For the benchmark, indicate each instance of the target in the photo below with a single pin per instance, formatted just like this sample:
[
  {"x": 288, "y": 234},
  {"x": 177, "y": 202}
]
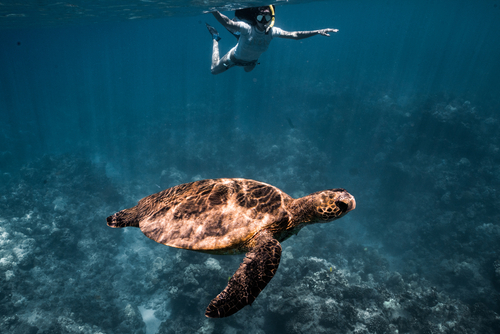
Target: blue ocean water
[{"x": 400, "y": 107}]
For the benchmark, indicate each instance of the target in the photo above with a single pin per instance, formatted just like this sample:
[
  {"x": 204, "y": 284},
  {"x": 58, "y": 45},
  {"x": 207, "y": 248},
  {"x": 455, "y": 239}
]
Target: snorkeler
[{"x": 254, "y": 29}]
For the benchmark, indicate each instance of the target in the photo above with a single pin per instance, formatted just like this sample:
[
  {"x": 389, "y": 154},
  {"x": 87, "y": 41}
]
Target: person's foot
[{"x": 213, "y": 32}]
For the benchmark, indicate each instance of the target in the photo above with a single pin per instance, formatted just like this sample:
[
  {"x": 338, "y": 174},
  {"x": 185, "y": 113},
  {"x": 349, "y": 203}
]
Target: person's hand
[{"x": 325, "y": 32}]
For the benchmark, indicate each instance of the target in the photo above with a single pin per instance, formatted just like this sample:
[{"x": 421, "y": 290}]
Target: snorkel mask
[{"x": 266, "y": 15}]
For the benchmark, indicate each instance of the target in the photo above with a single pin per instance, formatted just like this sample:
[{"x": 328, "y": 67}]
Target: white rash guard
[{"x": 253, "y": 42}]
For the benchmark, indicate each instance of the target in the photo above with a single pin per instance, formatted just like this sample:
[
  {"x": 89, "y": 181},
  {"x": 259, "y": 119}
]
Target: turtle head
[{"x": 332, "y": 204}]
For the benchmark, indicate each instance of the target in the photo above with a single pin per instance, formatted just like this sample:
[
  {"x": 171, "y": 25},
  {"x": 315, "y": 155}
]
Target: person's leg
[
  {"x": 220, "y": 65},
  {"x": 217, "y": 64}
]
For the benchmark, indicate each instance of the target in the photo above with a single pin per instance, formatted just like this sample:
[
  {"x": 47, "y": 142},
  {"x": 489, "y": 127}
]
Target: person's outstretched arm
[
  {"x": 225, "y": 21},
  {"x": 305, "y": 34}
]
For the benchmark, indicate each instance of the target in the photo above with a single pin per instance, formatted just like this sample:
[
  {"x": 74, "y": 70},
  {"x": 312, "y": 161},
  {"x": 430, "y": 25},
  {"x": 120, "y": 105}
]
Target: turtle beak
[
  {"x": 346, "y": 203},
  {"x": 352, "y": 203}
]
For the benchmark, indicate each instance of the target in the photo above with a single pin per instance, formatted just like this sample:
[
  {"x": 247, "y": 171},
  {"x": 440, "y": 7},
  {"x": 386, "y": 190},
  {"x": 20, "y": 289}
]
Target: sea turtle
[{"x": 231, "y": 216}]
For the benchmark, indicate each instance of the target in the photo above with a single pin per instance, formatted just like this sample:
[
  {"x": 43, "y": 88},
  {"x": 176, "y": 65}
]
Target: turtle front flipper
[{"x": 257, "y": 269}]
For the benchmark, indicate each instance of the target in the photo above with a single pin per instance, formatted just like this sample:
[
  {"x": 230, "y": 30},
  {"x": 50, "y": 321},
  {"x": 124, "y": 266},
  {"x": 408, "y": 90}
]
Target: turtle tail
[{"x": 124, "y": 218}]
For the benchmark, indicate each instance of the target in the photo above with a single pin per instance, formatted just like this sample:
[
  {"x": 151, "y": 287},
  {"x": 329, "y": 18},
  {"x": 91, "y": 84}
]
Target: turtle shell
[{"x": 217, "y": 216}]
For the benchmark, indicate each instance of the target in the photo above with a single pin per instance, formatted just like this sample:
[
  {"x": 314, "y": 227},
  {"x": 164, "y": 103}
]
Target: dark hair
[{"x": 247, "y": 14}]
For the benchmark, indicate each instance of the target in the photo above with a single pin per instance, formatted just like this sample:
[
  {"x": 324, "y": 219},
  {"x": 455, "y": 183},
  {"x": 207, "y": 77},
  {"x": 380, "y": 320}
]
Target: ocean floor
[{"x": 418, "y": 255}]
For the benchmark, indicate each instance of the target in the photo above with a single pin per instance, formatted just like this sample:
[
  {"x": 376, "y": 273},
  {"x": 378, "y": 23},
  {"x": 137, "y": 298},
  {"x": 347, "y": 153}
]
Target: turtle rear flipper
[
  {"x": 124, "y": 218},
  {"x": 257, "y": 269}
]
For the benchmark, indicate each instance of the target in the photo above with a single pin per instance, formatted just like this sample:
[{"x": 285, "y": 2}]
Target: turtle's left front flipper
[{"x": 257, "y": 269}]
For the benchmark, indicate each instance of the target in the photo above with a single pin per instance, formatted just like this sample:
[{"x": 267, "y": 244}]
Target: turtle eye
[{"x": 342, "y": 206}]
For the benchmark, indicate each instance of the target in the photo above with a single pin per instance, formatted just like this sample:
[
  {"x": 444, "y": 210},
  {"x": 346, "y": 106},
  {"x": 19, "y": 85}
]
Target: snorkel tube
[
  {"x": 271, "y": 8},
  {"x": 270, "y": 25}
]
